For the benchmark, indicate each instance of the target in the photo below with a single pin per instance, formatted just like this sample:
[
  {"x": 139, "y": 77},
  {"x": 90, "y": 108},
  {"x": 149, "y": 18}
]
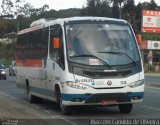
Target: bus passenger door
[{"x": 55, "y": 62}]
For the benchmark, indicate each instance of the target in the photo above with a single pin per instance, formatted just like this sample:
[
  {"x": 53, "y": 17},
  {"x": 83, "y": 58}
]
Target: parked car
[
  {"x": 2, "y": 71},
  {"x": 12, "y": 69}
]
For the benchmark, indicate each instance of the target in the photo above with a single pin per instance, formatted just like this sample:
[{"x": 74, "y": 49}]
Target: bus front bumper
[{"x": 103, "y": 98}]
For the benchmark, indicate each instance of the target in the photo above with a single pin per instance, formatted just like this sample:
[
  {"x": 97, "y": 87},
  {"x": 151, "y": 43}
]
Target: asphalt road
[
  {"x": 152, "y": 79},
  {"x": 15, "y": 108}
]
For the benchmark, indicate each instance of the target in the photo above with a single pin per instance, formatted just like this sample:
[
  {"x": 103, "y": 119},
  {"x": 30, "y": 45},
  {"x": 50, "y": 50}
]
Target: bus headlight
[
  {"x": 77, "y": 85},
  {"x": 3, "y": 72},
  {"x": 136, "y": 84}
]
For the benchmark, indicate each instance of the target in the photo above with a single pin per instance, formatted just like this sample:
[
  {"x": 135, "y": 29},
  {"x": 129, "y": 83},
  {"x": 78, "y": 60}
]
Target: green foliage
[
  {"x": 7, "y": 62},
  {"x": 97, "y": 8},
  {"x": 7, "y": 6},
  {"x": 7, "y": 51},
  {"x": 24, "y": 22},
  {"x": 25, "y": 13},
  {"x": 129, "y": 12},
  {"x": 7, "y": 26},
  {"x": 129, "y": 6},
  {"x": 119, "y": 4},
  {"x": 152, "y": 5},
  {"x": 115, "y": 12},
  {"x": 18, "y": 15},
  {"x": 138, "y": 11},
  {"x": 91, "y": 7}
]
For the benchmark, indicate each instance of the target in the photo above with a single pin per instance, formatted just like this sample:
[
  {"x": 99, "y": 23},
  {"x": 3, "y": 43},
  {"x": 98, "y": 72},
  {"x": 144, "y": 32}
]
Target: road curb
[
  {"x": 152, "y": 74},
  {"x": 153, "y": 86}
]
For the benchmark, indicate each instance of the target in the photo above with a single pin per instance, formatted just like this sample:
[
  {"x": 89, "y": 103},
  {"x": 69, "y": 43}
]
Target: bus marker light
[{"x": 56, "y": 43}]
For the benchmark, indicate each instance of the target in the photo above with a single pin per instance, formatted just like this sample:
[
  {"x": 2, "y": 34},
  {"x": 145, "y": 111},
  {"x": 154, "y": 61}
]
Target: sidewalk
[{"x": 152, "y": 74}]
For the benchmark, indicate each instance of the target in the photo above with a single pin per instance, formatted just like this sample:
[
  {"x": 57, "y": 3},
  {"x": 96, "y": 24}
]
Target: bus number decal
[{"x": 84, "y": 80}]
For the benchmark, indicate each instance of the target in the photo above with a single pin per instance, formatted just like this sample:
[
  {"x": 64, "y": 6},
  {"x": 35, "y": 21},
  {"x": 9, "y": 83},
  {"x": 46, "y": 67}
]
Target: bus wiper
[
  {"x": 120, "y": 53},
  {"x": 85, "y": 55}
]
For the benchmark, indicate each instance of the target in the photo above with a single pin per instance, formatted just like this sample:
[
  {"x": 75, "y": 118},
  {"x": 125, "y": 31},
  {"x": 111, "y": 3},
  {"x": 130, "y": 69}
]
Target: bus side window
[{"x": 57, "y": 54}]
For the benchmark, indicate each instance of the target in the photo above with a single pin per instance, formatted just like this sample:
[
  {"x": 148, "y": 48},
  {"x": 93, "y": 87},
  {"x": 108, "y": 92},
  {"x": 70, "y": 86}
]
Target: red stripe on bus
[{"x": 29, "y": 63}]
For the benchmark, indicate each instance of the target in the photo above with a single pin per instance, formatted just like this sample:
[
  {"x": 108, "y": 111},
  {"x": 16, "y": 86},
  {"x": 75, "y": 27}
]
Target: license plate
[{"x": 109, "y": 102}]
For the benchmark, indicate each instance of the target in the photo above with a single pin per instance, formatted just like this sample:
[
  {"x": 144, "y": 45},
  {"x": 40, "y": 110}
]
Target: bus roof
[
  {"x": 62, "y": 20},
  {"x": 38, "y": 24}
]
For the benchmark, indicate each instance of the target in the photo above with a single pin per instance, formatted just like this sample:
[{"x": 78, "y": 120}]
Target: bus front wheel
[
  {"x": 66, "y": 110},
  {"x": 125, "y": 108},
  {"x": 30, "y": 97}
]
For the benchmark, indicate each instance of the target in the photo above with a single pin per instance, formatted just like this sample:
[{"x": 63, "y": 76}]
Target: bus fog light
[
  {"x": 77, "y": 85},
  {"x": 136, "y": 98},
  {"x": 78, "y": 100},
  {"x": 136, "y": 84}
]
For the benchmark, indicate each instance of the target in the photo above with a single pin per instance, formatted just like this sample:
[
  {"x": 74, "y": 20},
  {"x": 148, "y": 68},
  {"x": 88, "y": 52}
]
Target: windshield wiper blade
[
  {"x": 85, "y": 55},
  {"x": 120, "y": 53}
]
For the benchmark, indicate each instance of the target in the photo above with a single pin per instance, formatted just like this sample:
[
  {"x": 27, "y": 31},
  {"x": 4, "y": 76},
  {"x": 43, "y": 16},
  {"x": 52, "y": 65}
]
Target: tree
[
  {"x": 115, "y": 12},
  {"x": 45, "y": 8},
  {"x": 7, "y": 26},
  {"x": 102, "y": 8},
  {"x": 7, "y": 6},
  {"x": 25, "y": 10},
  {"x": 97, "y": 8},
  {"x": 129, "y": 6},
  {"x": 137, "y": 24},
  {"x": 138, "y": 11},
  {"x": 18, "y": 7},
  {"x": 129, "y": 11},
  {"x": 84, "y": 11},
  {"x": 152, "y": 5},
  {"x": 91, "y": 7},
  {"x": 118, "y": 3},
  {"x": 20, "y": 10}
]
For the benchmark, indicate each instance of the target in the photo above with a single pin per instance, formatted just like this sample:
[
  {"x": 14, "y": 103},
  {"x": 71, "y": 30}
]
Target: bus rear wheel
[{"x": 125, "y": 108}]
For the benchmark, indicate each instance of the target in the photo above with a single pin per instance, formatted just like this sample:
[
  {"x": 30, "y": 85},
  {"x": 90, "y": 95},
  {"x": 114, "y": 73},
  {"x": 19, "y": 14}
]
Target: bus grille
[
  {"x": 119, "y": 97},
  {"x": 100, "y": 74}
]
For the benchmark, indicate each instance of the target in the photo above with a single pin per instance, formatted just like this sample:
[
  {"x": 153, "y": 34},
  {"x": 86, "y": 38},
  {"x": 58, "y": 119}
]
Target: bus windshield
[{"x": 113, "y": 43}]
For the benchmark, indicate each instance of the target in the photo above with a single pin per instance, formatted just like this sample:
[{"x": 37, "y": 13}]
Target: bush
[{"x": 7, "y": 53}]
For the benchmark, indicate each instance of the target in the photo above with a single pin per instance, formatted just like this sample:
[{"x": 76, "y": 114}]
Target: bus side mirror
[{"x": 56, "y": 43}]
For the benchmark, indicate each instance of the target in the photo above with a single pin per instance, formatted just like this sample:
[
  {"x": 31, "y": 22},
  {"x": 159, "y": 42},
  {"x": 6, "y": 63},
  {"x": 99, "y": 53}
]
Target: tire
[
  {"x": 125, "y": 108},
  {"x": 66, "y": 110},
  {"x": 30, "y": 98}
]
